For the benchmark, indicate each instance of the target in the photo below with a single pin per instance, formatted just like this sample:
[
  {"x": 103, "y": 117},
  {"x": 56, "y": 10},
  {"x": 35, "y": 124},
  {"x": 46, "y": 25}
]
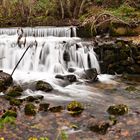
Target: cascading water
[
  {"x": 48, "y": 55},
  {"x": 47, "y": 59}
]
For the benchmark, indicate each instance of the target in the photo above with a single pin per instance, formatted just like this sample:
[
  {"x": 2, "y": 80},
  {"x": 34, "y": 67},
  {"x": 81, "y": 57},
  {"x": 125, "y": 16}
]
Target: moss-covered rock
[
  {"x": 75, "y": 108},
  {"x": 9, "y": 113},
  {"x": 130, "y": 88},
  {"x": 100, "y": 127},
  {"x": 16, "y": 102},
  {"x": 14, "y": 91},
  {"x": 120, "y": 109},
  {"x": 43, "y": 86},
  {"x": 30, "y": 109},
  {"x": 5, "y": 80},
  {"x": 34, "y": 98},
  {"x": 56, "y": 109}
]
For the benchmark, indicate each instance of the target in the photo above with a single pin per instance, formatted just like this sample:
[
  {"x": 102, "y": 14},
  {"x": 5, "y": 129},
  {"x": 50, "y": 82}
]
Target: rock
[
  {"x": 71, "y": 77},
  {"x": 56, "y": 109},
  {"x": 90, "y": 74},
  {"x": 100, "y": 127},
  {"x": 120, "y": 109},
  {"x": 71, "y": 70},
  {"x": 9, "y": 113},
  {"x": 34, "y": 98},
  {"x": 43, "y": 106},
  {"x": 16, "y": 102},
  {"x": 43, "y": 86},
  {"x": 30, "y": 109},
  {"x": 75, "y": 108},
  {"x": 14, "y": 91},
  {"x": 5, "y": 80}
]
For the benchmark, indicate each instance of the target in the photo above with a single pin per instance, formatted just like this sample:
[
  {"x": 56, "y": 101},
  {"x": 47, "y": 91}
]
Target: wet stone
[
  {"x": 43, "y": 86},
  {"x": 120, "y": 109},
  {"x": 75, "y": 108},
  {"x": 14, "y": 91},
  {"x": 44, "y": 106},
  {"x": 56, "y": 109},
  {"x": 30, "y": 109},
  {"x": 100, "y": 128}
]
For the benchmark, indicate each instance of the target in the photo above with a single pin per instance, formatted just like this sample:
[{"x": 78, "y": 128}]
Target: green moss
[
  {"x": 120, "y": 109},
  {"x": 9, "y": 113},
  {"x": 75, "y": 108},
  {"x": 30, "y": 109},
  {"x": 14, "y": 91},
  {"x": 16, "y": 102}
]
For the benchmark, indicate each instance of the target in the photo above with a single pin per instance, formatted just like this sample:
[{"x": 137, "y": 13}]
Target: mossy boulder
[
  {"x": 56, "y": 109},
  {"x": 9, "y": 113},
  {"x": 100, "y": 128},
  {"x": 75, "y": 108},
  {"x": 30, "y": 109},
  {"x": 14, "y": 91},
  {"x": 34, "y": 98},
  {"x": 43, "y": 86},
  {"x": 120, "y": 109},
  {"x": 16, "y": 102},
  {"x": 130, "y": 88},
  {"x": 5, "y": 80},
  {"x": 44, "y": 106}
]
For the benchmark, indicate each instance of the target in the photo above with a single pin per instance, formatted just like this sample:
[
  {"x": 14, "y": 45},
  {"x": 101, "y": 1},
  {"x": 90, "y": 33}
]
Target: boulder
[
  {"x": 14, "y": 91},
  {"x": 100, "y": 127},
  {"x": 34, "y": 98},
  {"x": 56, "y": 109},
  {"x": 30, "y": 109},
  {"x": 15, "y": 102},
  {"x": 43, "y": 86},
  {"x": 75, "y": 108},
  {"x": 43, "y": 106},
  {"x": 120, "y": 109},
  {"x": 71, "y": 77},
  {"x": 5, "y": 80},
  {"x": 90, "y": 74}
]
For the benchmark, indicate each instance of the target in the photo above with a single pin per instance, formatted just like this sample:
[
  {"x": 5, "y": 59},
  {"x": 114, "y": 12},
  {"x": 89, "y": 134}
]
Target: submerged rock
[
  {"x": 44, "y": 106},
  {"x": 43, "y": 86},
  {"x": 5, "y": 80},
  {"x": 75, "y": 108},
  {"x": 71, "y": 77},
  {"x": 30, "y": 109},
  {"x": 14, "y": 91},
  {"x": 56, "y": 109},
  {"x": 120, "y": 109},
  {"x": 9, "y": 113},
  {"x": 100, "y": 127},
  {"x": 34, "y": 98}
]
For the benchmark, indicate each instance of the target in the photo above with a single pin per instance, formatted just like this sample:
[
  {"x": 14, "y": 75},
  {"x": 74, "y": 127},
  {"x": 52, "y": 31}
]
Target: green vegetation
[
  {"x": 47, "y": 12},
  {"x": 75, "y": 108},
  {"x": 7, "y": 120}
]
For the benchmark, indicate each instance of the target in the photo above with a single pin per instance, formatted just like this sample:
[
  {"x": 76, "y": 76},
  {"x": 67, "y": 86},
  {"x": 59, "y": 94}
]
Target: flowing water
[{"x": 45, "y": 59}]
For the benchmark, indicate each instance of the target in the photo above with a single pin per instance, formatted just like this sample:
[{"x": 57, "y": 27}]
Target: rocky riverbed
[{"x": 51, "y": 118}]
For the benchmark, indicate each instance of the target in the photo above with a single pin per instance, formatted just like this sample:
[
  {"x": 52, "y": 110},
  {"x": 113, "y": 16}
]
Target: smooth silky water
[{"x": 46, "y": 60}]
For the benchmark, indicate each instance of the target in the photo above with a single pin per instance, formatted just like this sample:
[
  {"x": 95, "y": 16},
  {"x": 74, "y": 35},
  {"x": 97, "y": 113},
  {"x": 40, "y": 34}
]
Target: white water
[
  {"x": 42, "y": 31},
  {"x": 45, "y": 61}
]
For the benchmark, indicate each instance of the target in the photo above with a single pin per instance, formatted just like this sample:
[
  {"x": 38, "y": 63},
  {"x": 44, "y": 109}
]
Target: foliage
[{"x": 7, "y": 120}]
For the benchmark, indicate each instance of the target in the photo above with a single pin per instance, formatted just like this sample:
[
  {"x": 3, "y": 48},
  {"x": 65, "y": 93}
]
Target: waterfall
[
  {"x": 48, "y": 55},
  {"x": 42, "y": 31}
]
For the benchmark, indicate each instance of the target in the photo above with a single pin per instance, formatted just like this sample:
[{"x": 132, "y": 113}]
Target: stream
[{"x": 46, "y": 61}]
